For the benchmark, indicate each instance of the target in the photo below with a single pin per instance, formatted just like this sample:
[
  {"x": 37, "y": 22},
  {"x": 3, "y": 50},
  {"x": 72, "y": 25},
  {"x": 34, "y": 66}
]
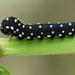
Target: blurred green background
[{"x": 43, "y": 11}]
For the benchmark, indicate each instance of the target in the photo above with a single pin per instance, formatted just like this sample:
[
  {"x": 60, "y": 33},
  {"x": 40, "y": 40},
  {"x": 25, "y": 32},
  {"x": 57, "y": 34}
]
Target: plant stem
[{"x": 37, "y": 47}]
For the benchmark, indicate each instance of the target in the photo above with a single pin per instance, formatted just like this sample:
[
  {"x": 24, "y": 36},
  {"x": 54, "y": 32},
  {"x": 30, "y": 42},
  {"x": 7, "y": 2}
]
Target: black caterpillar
[{"x": 12, "y": 26}]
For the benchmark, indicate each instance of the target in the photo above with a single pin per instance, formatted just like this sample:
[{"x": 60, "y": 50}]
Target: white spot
[
  {"x": 20, "y": 35},
  {"x": 19, "y": 24},
  {"x": 58, "y": 23},
  {"x": 41, "y": 33},
  {"x": 23, "y": 26},
  {"x": 40, "y": 26},
  {"x": 63, "y": 31},
  {"x": 31, "y": 34},
  {"x": 48, "y": 22},
  {"x": 61, "y": 25},
  {"x": 15, "y": 20},
  {"x": 38, "y": 23},
  {"x": 38, "y": 36},
  {"x": 12, "y": 28},
  {"x": 60, "y": 35},
  {"x": 28, "y": 37},
  {"x": 52, "y": 32},
  {"x": 51, "y": 26},
  {"x": 48, "y": 36},
  {"x": 0, "y": 25},
  {"x": 17, "y": 30},
  {"x": 72, "y": 29},
  {"x": 7, "y": 27},
  {"x": 30, "y": 27},
  {"x": 14, "y": 31},
  {"x": 66, "y": 22},
  {"x": 70, "y": 33},
  {"x": 70, "y": 24},
  {"x": 7, "y": 18}
]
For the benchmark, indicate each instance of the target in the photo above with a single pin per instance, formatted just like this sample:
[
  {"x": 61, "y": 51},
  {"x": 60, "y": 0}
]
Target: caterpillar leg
[{"x": 11, "y": 36}]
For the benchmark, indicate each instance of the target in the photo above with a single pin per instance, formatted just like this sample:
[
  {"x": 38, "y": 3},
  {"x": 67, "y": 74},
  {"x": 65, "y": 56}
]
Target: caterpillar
[{"x": 13, "y": 26}]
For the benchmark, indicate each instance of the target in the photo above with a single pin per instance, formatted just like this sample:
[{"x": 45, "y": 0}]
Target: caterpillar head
[{"x": 8, "y": 25}]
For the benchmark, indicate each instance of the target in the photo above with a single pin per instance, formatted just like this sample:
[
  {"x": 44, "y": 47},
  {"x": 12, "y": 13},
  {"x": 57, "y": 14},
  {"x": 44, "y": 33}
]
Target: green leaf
[
  {"x": 37, "y": 47},
  {"x": 4, "y": 71}
]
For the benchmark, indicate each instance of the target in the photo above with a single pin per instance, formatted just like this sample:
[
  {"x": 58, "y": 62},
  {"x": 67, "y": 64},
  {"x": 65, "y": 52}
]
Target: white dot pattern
[
  {"x": 14, "y": 31},
  {"x": 40, "y": 26},
  {"x": 60, "y": 35},
  {"x": 38, "y": 23},
  {"x": 19, "y": 24},
  {"x": 30, "y": 27},
  {"x": 31, "y": 34},
  {"x": 7, "y": 27},
  {"x": 28, "y": 37},
  {"x": 61, "y": 25},
  {"x": 48, "y": 36},
  {"x": 58, "y": 23},
  {"x": 63, "y": 31},
  {"x": 51, "y": 26},
  {"x": 48, "y": 22},
  {"x": 17, "y": 30},
  {"x": 52, "y": 32},
  {"x": 13, "y": 26},
  {"x": 7, "y": 18},
  {"x": 23, "y": 26},
  {"x": 70, "y": 33},
  {"x": 15, "y": 20},
  {"x": 72, "y": 29},
  {"x": 41, "y": 33},
  {"x": 20, "y": 35},
  {"x": 70, "y": 24},
  {"x": 38, "y": 36}
]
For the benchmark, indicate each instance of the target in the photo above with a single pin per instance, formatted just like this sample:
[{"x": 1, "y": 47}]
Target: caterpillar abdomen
[{"x": 12, "y": 26}]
